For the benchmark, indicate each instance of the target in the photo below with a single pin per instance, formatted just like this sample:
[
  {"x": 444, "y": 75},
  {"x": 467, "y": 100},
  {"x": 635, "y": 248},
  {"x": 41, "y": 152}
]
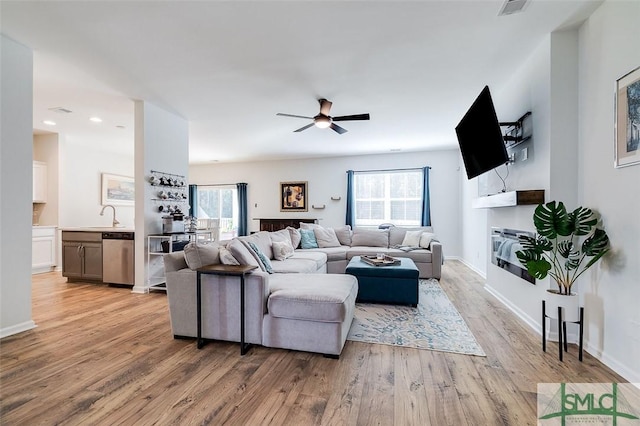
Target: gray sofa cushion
[
  {"x": 344, "y": 235},
  {"x": 333, "y": 253},
  {"x": 396, "y": 233},
  {"x": 326, "y": 237},
  {"x": 418, "y": 255},
  {"x": 317, "y": 297},
  {"x": 294, "y": 266},
  {"x": 279, "y": 236},
  {"x": 370, "y": 238},
  {"x": 295, "y": 236},
  {"x": 316, "y": 256},
  {"x": 198, "y": 255},
  {"x": 243, "y": 254},
  {"x": 262, "y": 240}
]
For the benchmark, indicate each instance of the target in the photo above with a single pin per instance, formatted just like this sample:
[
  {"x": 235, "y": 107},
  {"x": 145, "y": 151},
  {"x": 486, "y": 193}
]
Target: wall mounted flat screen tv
[{"x": 480, "y": 137}]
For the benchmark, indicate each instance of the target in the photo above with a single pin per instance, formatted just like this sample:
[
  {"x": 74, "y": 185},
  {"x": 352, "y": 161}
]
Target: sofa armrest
[{"x": 436, "y": 259}]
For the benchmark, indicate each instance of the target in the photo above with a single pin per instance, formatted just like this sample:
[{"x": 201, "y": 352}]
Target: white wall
[
  {"x": 81, "y": 165},
  {"x": 568, "y": 85},
  {"x": 161, "y": 144},
  {"x": 16, "y": 177},
  {"x": 609, "y": 46},
  {"x": 327, "y": 177}
]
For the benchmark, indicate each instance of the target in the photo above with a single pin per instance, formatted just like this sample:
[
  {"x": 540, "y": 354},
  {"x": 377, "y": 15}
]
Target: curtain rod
[
  {"x": 389, "y": 170},
  {"x": 216, "y": 184}
]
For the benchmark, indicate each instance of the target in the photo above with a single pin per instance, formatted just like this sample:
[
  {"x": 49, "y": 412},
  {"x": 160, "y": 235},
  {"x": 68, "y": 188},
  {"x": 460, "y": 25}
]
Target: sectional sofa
[{"x": 301, "y": 300}]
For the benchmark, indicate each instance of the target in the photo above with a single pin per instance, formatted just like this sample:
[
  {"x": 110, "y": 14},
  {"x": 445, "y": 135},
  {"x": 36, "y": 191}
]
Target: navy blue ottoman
[{"x": 397, "y": 284}]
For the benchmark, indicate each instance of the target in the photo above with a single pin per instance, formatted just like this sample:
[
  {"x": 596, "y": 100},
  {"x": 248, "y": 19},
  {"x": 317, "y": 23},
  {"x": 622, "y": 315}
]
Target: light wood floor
[{"x": 102, "y": 355}]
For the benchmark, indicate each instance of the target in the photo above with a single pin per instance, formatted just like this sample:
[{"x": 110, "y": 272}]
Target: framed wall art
[
  {"x": 293, "y": 197},
  {"x": 118, "y": 190},
  {"x": 627, "y": 119}
]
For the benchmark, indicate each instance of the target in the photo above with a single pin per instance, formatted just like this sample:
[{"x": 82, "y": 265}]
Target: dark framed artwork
[
  {"x": 293, "y": 196},
  {"x": 627, "y": 119}
]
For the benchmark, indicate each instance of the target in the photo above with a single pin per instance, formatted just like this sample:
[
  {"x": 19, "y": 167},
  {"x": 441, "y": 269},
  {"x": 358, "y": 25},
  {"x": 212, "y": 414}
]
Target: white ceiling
[{"x": 229, "y": 67}]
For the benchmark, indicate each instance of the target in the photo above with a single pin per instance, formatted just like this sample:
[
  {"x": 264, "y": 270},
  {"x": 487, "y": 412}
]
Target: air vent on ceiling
[
  {"x": 61, "y": 110},
  {"x": 512, "y": 6}
]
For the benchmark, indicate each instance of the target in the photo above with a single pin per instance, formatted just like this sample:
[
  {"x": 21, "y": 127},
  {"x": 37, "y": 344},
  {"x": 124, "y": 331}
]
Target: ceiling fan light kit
[{"x": 323, "y": 120}]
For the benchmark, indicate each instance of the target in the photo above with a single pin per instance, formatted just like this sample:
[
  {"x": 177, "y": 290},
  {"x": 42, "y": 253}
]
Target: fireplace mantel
[
  {"x": 277, "y": 224},
  {"x": 511, "y": 198}
]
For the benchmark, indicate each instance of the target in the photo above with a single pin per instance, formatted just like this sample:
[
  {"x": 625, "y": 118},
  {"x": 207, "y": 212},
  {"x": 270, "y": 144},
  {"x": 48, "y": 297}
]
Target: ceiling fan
[{"x": 324, "y": 120}]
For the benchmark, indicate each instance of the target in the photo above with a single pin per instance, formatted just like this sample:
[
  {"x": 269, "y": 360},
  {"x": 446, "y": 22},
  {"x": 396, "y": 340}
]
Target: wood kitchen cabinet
[{"x": 82, "y": 255}]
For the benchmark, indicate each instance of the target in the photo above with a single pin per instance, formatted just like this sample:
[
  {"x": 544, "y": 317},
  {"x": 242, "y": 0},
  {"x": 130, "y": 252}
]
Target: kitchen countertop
[{"x": 98, "y": 229}]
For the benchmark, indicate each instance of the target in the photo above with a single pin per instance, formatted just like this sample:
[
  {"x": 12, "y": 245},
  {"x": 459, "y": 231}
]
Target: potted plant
[{"x": 566, "y": 245}]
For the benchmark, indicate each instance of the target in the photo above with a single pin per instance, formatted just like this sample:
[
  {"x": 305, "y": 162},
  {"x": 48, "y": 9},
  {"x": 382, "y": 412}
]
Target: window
[
  {"x": 388, "y": 197},
  {"x": 219, "y": 202}
]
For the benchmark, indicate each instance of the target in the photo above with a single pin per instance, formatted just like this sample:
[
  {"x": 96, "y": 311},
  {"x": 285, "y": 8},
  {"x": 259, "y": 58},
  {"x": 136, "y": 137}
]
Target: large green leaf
[
  {"x": 537, "y": 243},
  {"x": 596, "y": 243},
  {"x": 551, "y": 220},
  {"x": 538, "y": 268},
  {"x": 582, "y": 221},
  {"x": 573, "y": 260},
  {"x": 564, "y": 248}
]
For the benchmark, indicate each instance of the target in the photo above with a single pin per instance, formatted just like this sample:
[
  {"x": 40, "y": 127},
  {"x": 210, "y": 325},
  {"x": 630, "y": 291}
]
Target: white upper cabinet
[{"x": 39, "y": 182}]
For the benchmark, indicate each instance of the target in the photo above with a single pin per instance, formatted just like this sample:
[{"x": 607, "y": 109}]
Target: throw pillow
[
  {"x": 370, "y": 238},
  {"x": 282, "y": 250},
  {"x": 227, "y": 258},
  {"x": 295, "y": 236},
  {"x": 198, "y": 255},
  {"x": 281, "y": 235},
  {"x": 426, "y": 239},
  {"x": 411, "y": 239},
  {"x": 344, "y": 235},
  {"x": 326, "y": 237},
  {"x": 263, "y": 259},
  {"x": 308, "y": 239},
  {"x": 242, "y": 253}
]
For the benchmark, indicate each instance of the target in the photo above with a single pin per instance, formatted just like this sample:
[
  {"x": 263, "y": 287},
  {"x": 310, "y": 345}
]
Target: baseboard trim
[
  {"x": 623, "y": 370},
  {"x": 140, "y": 289},
  {"x": 18, "y": 328},
  {"x": 473, "y": 268},
  {"x": 534, "y": 325}
]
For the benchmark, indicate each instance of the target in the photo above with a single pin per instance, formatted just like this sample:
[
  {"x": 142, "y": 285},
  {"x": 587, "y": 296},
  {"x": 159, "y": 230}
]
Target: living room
[{"x": 566, "y": 82}]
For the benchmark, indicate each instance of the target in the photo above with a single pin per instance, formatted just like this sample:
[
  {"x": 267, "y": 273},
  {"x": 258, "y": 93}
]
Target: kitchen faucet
[{"x": 115, "y": 221}]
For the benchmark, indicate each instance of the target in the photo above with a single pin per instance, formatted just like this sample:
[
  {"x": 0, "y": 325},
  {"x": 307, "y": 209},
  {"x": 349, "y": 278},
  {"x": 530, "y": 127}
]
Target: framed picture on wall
[
  {"x": 118, "y": 190},
  {"x": 293, "y": 196},
  {"x": 627, "y": 119}
]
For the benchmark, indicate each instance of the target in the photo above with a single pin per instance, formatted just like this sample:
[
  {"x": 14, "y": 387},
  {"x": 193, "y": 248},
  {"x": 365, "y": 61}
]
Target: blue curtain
[
  {"x": 193, "y": 200},
  {"x": 426, "y": 203},
  {"x": 242, "y": 207},
  {"x": 351, "y": 211}
]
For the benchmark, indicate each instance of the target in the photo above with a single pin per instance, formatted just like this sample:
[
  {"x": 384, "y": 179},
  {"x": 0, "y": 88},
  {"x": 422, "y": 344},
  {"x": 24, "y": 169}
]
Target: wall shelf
[{"x": 509, "y": 199}]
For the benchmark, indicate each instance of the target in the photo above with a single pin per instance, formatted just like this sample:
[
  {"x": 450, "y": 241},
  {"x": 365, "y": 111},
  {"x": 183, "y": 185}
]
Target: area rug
[{"x": 435, "y": 324}]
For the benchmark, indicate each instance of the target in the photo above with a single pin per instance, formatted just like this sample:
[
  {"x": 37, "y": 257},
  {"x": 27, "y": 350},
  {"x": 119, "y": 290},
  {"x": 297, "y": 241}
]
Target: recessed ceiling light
[
  {"x": 61, "y": 110},
  {"x": 96, "y": 119},
  {"x": 49, "y": 122},
  {"x": 395, "y": 150},
  {"x": 120, "y": 126}
]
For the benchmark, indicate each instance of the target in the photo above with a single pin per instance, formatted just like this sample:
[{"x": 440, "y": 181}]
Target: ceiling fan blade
[
  {"x": 304, "y": 128},
  {"x": 351, "y": 117},
  {"x": 338, "y": 128},
  {"x": 295, "y": 116},
  {"x": 325, "y": 106}
]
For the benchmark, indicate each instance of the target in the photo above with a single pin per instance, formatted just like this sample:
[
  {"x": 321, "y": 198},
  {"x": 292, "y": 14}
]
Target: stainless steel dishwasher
[{"x": 118, "y": 258}]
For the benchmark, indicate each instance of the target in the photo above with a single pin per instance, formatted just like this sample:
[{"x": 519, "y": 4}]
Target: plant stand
[{"x": 562, "y": 331}]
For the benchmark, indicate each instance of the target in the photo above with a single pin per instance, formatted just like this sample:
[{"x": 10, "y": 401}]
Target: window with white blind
[{"x": 388, "y": 197}]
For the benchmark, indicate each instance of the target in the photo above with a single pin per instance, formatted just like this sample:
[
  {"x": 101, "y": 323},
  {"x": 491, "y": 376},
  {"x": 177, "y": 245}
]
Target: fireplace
[{"x": 504, "y": 245}]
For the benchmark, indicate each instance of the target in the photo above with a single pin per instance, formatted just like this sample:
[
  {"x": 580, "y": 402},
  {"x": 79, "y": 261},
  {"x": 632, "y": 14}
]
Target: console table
[
  {"x": 219, "y": 269},
  {"x": 272, "y": 225}
]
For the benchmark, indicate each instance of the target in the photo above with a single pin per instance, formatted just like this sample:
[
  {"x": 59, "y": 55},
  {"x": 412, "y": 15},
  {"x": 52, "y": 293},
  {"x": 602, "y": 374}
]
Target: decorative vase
[{"x": 570, "y": 304}]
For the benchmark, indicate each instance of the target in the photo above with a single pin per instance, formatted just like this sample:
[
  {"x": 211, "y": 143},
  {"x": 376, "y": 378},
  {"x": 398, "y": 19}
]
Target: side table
[
  {"x": 219, "y": 269},
  {"x": 562, "y": 331}
]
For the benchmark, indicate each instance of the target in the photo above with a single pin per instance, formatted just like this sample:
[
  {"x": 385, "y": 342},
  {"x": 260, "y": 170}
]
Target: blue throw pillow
[
  {"x": 263, "y": 259},
  {"x": 308, "y": 240}
]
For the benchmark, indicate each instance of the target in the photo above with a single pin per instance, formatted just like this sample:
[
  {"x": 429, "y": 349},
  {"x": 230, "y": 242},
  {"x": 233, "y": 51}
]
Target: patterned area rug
[{"x": 435, "y": 324}]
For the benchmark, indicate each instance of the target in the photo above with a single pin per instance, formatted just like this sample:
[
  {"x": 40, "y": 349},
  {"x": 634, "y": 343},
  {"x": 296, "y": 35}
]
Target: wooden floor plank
[{"x": 102, "y": 355}]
